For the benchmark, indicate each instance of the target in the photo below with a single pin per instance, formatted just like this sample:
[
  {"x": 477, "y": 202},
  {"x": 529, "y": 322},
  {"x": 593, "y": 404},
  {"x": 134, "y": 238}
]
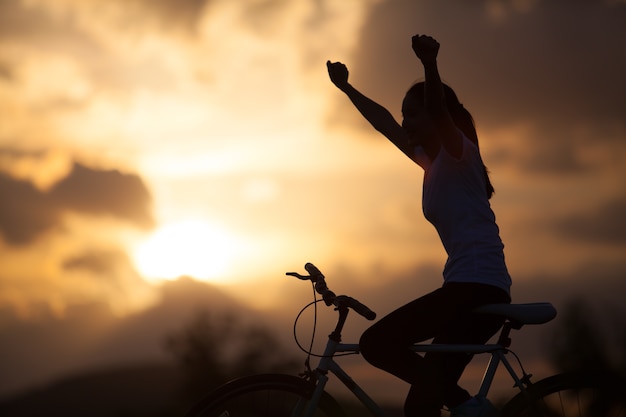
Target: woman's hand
[
  {"x": 425, "y": 47},
  {"x": 338, "y": 74}
]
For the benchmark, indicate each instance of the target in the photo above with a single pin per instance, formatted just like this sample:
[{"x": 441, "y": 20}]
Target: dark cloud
[
  {"x": 38, "y": 29},
  {"x": 185, "y": 15},
  {"x": 64, "y": 34},
  {"x": 551, "y": 155},
  {"x": 17, "y": 20},
  {"x": 181, "y": 15},
  {"x": 101, "y": 263},
  {"x": 5, "y": 71},
  {"x": 556, "y": 61},
  {"x": 133, "y": 16},
  {"x": 605, "y": 225},
  {"x": 558, "y": 64},
  {"x": 109, "y": 192},
  {"x": 262, "y": 16},
  {"x": 26, "y": 212}
]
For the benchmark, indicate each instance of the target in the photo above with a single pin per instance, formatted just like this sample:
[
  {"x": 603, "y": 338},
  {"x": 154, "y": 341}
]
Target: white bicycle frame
[{"x": 328, "y": 363}]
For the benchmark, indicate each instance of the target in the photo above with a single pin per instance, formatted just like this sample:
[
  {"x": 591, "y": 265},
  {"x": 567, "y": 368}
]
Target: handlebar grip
[
  {"x": 315, "y": 273},
  {"x": 362, "y": 309}
]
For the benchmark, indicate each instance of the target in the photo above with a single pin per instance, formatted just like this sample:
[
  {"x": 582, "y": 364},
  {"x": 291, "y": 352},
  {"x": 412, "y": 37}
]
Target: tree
[
  {"x": 213, "y": 349},
  {"x": 587, "y": 341}
]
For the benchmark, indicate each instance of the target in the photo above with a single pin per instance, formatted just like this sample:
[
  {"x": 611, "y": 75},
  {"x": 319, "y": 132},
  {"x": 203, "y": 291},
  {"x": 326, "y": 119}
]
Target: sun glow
[{"x": 193, "y": 248}]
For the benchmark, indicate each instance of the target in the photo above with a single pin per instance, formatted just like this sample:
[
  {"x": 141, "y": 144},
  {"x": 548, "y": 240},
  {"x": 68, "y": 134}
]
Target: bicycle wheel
[
  {"x": 274, "y": 395},
  {"x": 565, "y": 395}
]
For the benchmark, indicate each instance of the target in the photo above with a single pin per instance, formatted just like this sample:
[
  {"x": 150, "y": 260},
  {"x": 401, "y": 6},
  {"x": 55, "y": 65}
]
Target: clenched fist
[
  {"x": 338, "y": 74},
  {"x": 425, "y": 47}
]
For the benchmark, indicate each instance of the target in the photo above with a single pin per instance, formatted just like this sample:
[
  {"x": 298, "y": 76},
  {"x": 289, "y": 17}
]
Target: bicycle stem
[{"x": 343, "y": 315}]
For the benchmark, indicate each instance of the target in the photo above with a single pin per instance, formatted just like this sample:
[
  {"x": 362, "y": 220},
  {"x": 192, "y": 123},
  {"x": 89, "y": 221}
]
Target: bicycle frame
[{"x": 327, "y": 364}]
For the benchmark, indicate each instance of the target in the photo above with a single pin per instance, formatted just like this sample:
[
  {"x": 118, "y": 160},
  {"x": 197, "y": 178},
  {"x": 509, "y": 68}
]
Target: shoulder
[
  {"x": 419, "y": 156},
  {"x": 402, "y": 140}
]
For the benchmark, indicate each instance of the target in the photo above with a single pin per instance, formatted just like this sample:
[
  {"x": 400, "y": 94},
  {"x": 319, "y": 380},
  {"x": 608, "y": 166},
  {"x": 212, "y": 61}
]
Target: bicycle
[{"x": 280, "y": 395}]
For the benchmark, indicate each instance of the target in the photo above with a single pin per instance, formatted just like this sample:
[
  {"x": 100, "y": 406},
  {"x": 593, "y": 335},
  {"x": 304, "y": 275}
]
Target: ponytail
[
  {"x": 462, "y": 119},
  {"x": 465, "y": 122}
]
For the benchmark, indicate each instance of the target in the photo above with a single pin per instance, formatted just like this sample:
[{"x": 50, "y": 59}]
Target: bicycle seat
[{"x": 530, "y": 313}]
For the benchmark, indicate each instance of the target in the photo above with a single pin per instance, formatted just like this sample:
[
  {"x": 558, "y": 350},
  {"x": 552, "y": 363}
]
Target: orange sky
[{"x": 144, "y": 140}]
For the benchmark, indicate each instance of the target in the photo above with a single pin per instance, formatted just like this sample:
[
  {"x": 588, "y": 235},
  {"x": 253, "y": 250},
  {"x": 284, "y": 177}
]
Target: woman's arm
[
  {"x": 378, "y": 116},
  {"x": 426, "y": 49}
]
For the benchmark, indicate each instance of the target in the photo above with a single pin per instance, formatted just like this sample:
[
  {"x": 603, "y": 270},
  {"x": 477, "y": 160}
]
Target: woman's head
[
  {"x": 413, "y": 106},
  {"x": 413, "y": 110}
]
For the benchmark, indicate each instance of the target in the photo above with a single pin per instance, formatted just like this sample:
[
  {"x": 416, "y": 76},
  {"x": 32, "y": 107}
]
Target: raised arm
[
  {"x": 378, "y": 116},
  {"x": 426, "y": 49}
]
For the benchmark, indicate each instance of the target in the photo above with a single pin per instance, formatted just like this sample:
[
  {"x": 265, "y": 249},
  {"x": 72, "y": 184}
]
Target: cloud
[
  {"x": 28, "y": 212},
  {"x": 134, "y": 16},
  {"x": 25, "y": 212},
  {"x": 100, "y": 263},
  {"x": 606, "y": 224},
  {"x": 181, "y": 15},
  {"x": 105, "y": 192}
]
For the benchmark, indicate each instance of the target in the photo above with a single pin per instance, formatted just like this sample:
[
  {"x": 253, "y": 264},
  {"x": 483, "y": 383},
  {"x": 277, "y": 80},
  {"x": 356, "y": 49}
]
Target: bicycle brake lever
[{"x": 295, "y": 274}]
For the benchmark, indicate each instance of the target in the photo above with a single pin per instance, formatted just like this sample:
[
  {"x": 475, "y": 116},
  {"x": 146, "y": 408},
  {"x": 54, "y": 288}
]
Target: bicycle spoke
[{"x": 572, "y": 395}]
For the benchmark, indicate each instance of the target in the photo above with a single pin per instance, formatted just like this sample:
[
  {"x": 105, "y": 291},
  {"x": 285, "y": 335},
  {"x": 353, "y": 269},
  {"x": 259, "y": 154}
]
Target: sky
[{"x": 143, "y": 141}]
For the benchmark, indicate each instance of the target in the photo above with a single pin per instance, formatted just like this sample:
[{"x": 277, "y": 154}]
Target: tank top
[{"x": 454, "y": 200}]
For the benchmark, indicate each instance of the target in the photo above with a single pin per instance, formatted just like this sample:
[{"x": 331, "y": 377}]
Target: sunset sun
[{"x": 194, "y": 248}]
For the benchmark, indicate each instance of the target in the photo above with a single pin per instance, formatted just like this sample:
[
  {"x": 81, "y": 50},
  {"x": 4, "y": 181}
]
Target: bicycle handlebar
[{"x": 329, "y": 297}]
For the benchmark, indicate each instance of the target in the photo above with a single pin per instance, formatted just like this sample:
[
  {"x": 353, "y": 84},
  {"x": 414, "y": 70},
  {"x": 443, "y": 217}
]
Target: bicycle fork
[{"x": 320, "y": 376}]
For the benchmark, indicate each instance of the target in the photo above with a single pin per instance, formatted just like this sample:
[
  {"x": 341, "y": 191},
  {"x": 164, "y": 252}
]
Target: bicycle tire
[
  {"x": 586, "y": 394},
  {"x": 276, "y": 395}
]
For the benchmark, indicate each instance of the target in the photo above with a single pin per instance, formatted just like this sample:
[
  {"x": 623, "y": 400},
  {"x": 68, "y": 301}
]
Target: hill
[{"x": 135, "y": 390}]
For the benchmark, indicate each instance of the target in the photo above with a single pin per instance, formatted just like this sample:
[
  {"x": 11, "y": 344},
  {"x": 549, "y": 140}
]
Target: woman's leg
[
  {"x": 439, "y": 314},
  {"x": 387, "y": 343},
  {"x": 468, "y": 328},
  {"x": 450, "y": 366}
]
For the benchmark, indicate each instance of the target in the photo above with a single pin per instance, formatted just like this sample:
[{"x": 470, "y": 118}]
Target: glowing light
[{"x": 194, "y": 248}]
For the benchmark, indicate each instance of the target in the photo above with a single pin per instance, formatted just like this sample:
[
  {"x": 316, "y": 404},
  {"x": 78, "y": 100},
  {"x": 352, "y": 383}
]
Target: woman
[{"x": 439, "y": 135}]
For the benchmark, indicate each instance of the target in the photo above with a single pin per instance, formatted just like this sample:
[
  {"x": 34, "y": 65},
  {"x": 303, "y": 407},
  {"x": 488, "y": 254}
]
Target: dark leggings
[{"x": 444, "y": 315}]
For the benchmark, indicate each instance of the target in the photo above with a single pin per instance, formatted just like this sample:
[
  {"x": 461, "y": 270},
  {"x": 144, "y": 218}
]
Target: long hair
[{"x": 462, "y": 119}]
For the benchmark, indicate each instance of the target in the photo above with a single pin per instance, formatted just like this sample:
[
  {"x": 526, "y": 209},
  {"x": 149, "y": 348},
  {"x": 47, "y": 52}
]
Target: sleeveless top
[{"x": 454, "y": 200}]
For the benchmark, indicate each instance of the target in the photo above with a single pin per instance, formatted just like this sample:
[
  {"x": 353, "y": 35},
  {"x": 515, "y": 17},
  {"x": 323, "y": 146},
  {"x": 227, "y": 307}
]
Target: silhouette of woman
[{"x": 438, "y": 134}]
